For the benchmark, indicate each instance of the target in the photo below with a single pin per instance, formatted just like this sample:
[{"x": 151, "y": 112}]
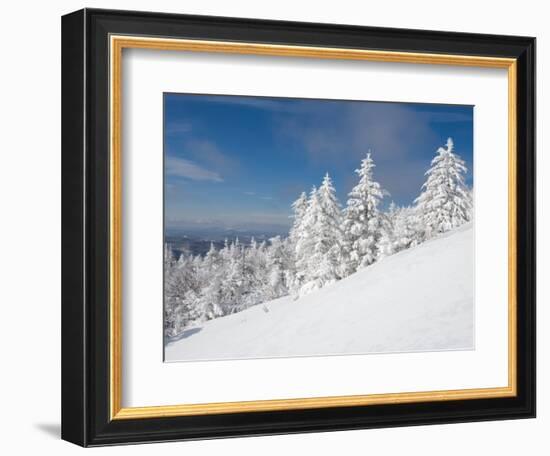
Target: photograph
[{"x": 308, "y": 227}]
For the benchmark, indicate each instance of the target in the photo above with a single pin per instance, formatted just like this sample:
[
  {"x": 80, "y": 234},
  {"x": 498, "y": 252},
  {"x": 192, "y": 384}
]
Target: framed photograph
[{"x": 277, "y": 227}]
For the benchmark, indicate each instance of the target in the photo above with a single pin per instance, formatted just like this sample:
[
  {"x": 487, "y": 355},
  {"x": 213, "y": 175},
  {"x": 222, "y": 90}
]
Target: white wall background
[{"x": 30, "y": 226}]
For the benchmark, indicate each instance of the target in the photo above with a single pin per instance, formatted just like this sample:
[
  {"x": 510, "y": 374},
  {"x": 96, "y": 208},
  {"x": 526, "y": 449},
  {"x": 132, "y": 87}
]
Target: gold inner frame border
[{"x": 116, "y": 46}]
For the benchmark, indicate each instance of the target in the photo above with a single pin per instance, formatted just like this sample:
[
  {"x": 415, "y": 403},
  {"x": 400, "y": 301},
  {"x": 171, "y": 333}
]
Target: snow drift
[{"x": 419, "y": 299}]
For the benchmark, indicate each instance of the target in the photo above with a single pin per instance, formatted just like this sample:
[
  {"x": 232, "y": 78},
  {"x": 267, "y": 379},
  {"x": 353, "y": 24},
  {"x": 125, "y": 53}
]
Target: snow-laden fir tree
[
  {"x": 299, "y": 208},
  {"x": 400, "y": 230},
  {"x": 255, "y": 272},
  {"x": 471, "y": 198},
  {"x": 329, "y": 233},
  {"x": 319, "y": 241},
  {"x": 445, "y": 201},
  {"x": 233, "y": 283},
  {"x": 410, "y": 227},
  {"x": 278, "y": 259},
  {"x": 362, "y": 219},
  {"x": 407, "y": 231},
  {"x": 386, "y": 244},
  {"x": 170, "y": 304},
  {"x": 212, "y": 284},
  {"x": 304, "y": 242},
  {"x": 179, "y": 286}
]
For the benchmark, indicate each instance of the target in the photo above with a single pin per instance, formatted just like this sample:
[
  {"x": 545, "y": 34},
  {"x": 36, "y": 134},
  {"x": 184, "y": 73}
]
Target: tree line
[{"x": 325, "y": 244}]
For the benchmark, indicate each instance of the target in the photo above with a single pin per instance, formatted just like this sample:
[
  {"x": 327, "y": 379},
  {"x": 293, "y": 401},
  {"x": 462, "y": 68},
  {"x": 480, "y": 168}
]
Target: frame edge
[{"x": 73, "y": 302}]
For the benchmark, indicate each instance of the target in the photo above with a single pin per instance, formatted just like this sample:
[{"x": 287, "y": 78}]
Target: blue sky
[{"x": 239, "y": 162}]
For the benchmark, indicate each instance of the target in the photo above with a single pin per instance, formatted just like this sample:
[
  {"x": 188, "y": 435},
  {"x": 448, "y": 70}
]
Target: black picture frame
[{"x": 85, "y": 228}]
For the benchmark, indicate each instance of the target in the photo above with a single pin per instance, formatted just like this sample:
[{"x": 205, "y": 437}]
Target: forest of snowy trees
[{"x": 326, "y": 243}]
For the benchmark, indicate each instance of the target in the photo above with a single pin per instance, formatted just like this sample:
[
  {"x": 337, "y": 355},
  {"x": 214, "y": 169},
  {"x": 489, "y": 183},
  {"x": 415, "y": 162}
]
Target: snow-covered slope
[{"x": 420, "y": 299}]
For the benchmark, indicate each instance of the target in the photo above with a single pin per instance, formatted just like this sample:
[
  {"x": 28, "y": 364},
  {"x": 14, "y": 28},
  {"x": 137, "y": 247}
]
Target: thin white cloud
[
  {"x": 249, "y": 193},
  {"x": 175, "y": 128},
  {"x": 270, "y": 104},
  {"x": 210, "y": 154},
  {"x": 180, "y": 167}
]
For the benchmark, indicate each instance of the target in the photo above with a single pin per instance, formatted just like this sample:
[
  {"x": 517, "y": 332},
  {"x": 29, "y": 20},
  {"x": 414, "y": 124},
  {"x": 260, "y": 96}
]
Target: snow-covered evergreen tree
[
  {"x": 299, "y": 207},
  {"x": 362, "y": 219},
  {"x": 400, "y": 230},
  {"x": 255, "y": 274},
  {"x": 210, "y": 293},
  {"x": 233, "y": 281},
  {"x": 407, "y": 232},
  {"x": 445, "y": 202},
  {"x": 329, "y": 234},
  {"x": 179, "y": 284},
  {"x": 169, "y": 303},
  {"x": 304, "y": 242},
  {"x": 319, "y": 244},
  {"x": 386, "y": 244},
  {"x": 278, "y": 258},
  {"x": 471, "y": 197}
]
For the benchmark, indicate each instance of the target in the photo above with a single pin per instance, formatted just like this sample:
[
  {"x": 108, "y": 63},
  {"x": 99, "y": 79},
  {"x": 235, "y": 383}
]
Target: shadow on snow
[{"x": 183, "y": 335}]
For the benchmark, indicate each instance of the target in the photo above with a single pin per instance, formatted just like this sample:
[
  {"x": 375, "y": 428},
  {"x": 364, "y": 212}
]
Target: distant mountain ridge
[{"x": 198, "y": 242}]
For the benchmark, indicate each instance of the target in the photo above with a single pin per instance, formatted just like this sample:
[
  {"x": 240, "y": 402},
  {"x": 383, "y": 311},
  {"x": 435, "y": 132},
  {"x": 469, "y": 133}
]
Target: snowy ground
[{"x": 420, "y": 299}]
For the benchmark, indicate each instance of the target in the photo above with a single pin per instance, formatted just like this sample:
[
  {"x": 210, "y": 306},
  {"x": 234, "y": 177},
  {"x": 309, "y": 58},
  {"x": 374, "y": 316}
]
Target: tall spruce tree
[
  {"x": 299, "y": 208},
  {"x": 445, "y": 201},
  {"x": 304, "y": 242},
  {"x": 277, "y": 263},
  {"x": 318, "y": 245},
  {"x": 328, "y": 234},
  {"x": 210, "y": 292},
  {"x": 362, "y": 219},
  {"x": 386, "y": 245}
]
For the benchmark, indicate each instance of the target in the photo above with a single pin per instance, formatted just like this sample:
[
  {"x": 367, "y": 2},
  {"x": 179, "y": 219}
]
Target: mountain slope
[{"x": 420, "y": 299}]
